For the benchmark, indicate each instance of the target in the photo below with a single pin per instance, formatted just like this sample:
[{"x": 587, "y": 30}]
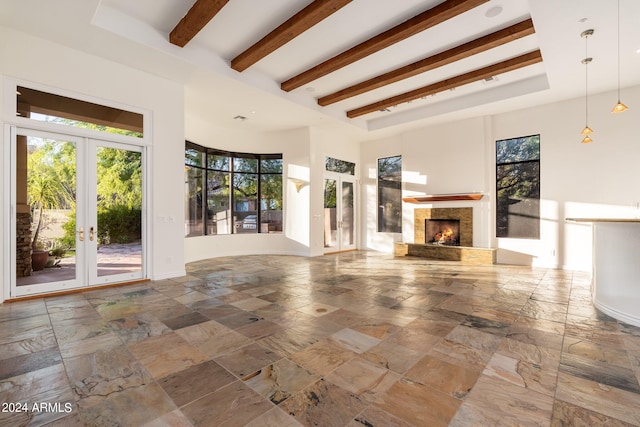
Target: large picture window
[
  {"x": 232, "y": 193},
  {"x": 518, "y": 187},
  {"x": 390, "y": 194}
]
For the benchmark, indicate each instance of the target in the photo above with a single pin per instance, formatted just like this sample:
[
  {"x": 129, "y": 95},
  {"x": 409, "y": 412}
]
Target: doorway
[
  {"x": 339, "y": 213},
  {"x": 76, "y": 212}
]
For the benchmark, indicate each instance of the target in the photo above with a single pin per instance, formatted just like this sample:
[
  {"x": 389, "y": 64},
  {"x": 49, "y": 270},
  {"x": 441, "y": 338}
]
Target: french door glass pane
[
  {"x": 119, "y": 209},
  {"x": 45, "y": 211},
  {"x": 330, "y": 213},
  {"x": 348, "y": 219}
]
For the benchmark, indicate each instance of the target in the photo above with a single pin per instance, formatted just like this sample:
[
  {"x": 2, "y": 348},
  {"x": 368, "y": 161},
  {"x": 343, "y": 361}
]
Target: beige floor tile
[{"x": 357, "y": 338}]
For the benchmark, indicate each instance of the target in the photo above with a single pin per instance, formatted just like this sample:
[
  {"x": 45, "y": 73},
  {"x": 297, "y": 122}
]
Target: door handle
[
  {"x": 81, "y": 233},
  {"x": 91, "y": 233}
]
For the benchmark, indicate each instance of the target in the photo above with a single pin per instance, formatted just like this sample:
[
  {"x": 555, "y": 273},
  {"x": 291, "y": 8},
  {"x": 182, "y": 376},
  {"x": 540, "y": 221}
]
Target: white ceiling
[{"x": 135, "y": 33}]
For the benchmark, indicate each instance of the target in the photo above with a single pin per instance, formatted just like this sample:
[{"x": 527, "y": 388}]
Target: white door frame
[
  {"x": 86, "y": 265},
  {"x": 340, "y": 178}
]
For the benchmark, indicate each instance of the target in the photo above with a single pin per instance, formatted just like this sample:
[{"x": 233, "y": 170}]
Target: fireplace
[
  {"x": 442, "y": 232},
  {"x": 428, "y": 222}
]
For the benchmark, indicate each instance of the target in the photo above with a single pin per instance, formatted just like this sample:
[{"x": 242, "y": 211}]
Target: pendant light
[
  {"x": 587, "y": 130},
  {"x": 619, "y": 107}
]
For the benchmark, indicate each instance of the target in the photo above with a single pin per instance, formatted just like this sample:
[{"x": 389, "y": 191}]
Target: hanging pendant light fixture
[
  {"x": 587, "y": 130},
  {"x": 619, "y": 107}
]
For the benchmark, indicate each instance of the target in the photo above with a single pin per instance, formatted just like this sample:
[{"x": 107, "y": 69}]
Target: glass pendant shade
[
  {"x": 586, "y": 140},
  {"x": 619, "y": 107},
  {"x": 586, "y": 131}
]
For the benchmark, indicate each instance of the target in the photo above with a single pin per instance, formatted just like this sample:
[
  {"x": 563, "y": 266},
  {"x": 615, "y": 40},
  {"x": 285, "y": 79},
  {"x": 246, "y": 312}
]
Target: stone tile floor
[{"x": 353, "y": 339}]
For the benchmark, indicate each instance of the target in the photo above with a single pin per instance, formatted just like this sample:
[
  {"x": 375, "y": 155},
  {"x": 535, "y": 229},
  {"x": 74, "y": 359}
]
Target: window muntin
[
  {"x": 390, "y": 194},
  {"x": 49, "y": 107},
  {"x": 339, "y": 166},
  {"x": 243, "y": 192},
  {"x": 518, "y": 187}
]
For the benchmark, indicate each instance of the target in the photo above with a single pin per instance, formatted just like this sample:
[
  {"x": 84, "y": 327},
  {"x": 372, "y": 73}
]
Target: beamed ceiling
[
  {"x": 367, "y": 64},
  {"x": 316, "y": 14}
]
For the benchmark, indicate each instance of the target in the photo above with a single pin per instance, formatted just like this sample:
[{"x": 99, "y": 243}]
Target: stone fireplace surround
[
  {"x": 465, "y": 253},
  {"x": 465, "y": 215}
]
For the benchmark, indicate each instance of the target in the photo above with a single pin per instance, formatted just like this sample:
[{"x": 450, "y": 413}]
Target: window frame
[
  {"x": 535, "y": 235},
  {"x": 380, "y": 226},
  {"x": 231, "y": 170}
]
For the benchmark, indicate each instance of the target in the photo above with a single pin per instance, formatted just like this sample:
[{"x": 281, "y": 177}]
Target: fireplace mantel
[{"x": 443, "y": 197}]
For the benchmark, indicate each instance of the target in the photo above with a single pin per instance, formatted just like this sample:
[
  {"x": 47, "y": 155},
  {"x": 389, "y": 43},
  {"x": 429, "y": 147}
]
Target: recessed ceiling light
[
  {"x": 493, "y": 12},
  {"x": 583, "y": 19},
  {"x": 310, "y": 89},
  {"x": 239, "y": 117}
]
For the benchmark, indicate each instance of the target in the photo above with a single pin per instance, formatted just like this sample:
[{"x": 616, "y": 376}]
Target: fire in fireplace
[{"x": 442, "y": 232}]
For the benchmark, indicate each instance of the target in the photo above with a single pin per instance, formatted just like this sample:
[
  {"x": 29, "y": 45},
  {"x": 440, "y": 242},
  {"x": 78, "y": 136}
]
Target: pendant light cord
[
  {"x": 618, "y": 50},
  {"x": 586, "y": 81}
]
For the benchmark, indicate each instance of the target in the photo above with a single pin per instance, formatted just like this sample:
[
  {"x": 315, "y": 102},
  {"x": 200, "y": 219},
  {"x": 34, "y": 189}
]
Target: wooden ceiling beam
[
  {"x": 453, "y": 82},
  {"x": 410, "y": 27},
  {"x": 198, "y": 16},
  {"x": 506, "y": 35},
  {"x": 292, "y": 28}
]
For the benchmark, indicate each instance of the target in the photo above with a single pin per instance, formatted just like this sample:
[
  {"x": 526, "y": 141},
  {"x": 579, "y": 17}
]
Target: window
[
  {"x": 232, "y": 193},
  {"x": 390, "y": 194},
  {"x": 48, "y": 107},
  {"x": 340, "y": 166},
  {"x": 518, "y": 187}
]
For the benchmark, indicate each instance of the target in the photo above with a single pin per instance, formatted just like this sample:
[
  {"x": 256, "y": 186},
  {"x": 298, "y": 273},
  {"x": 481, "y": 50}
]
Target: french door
[
  {"x": 339, "y": 213},
  {"x": 76, "y": 206}
]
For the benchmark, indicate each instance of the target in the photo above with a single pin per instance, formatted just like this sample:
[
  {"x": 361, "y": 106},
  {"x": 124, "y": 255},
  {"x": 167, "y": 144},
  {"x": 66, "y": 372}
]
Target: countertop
[{"x": 603, "y": 219}]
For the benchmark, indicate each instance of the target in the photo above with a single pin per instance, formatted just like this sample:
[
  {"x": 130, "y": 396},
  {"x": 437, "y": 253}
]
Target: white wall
[
  {"x": 600, "y": 179},
  {"x": 445, "y": 159},
  {"x": 448, "y": 158},
  {"x": 31, "y": 59}
]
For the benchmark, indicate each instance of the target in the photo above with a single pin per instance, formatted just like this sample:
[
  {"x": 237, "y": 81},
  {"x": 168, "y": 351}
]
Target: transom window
[
  {"x": 339, "y": 166},
  {"x": 48, "y": 107},
  {"x": 232, "y": 193}
]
